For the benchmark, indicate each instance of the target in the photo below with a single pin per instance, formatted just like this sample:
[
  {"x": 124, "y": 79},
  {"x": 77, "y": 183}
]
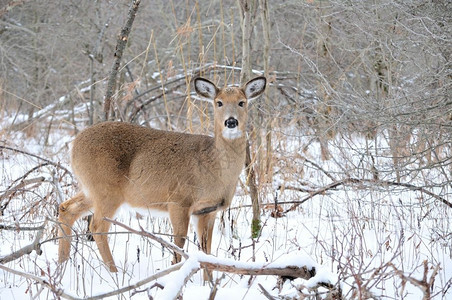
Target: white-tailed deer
[{"x": 183, "y": 174}]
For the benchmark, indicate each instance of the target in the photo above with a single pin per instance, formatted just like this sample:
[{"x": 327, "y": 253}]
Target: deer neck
[{"x": 231, "y": 154}]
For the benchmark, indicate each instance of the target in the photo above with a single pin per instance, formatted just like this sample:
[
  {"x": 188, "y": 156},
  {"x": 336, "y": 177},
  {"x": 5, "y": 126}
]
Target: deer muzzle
[{"x": 231, "y": 123}]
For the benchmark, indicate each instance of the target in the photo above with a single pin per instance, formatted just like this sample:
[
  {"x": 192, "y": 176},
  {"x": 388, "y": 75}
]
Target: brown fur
[{"x": 184, "y": 174}]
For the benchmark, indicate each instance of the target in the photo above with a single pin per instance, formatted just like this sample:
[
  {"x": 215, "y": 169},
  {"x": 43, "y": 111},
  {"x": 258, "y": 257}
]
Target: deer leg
[
  {"x": 100, "y": 228},
  {"x": 180, "y": 218},
  {"x": 205, "y": 230},
  {"x": 89, "y": 235},
  {"x": 69, "y": 211}
]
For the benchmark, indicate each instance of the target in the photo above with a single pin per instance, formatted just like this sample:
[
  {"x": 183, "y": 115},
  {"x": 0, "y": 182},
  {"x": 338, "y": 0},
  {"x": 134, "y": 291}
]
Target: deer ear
[
  {"x": 205, "y": 88},
  {"x": 255, "y": 87}
]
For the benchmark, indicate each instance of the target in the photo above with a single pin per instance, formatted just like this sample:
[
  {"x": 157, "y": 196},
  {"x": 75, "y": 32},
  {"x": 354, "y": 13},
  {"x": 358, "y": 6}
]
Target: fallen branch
[
  {"x": 254, "y": 269},
  {"x": 36, "y": 246},
  {"x": 140, "y": 108},
  {"x": 17, "y": 190}
]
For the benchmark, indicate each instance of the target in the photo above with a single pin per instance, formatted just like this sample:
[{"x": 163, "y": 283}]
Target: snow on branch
[{"x": 291, "y": 266}]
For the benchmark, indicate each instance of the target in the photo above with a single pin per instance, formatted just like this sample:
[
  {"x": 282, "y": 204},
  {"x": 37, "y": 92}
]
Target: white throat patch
[{"x": 232, "y": 133}]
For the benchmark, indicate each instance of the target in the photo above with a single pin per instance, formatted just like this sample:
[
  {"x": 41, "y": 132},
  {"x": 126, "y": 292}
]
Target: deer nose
[{"x": 231, "y": 123}]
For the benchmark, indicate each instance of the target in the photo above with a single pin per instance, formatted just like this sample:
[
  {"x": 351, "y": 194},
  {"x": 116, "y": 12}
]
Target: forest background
[{"x": 359, "y": 94}]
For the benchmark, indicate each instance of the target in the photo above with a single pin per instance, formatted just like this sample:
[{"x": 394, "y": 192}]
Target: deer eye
[
  {"x": 219, "y": 104},
  {"x": 242, "y": 103}
]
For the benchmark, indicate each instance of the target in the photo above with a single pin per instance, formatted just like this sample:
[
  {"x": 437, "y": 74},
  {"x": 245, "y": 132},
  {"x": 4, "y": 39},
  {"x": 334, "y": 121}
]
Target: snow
[
  {"x": 293, "y": 259},
  {"x": 345, "y": 234},
  {"x": 174, "y": 282}
]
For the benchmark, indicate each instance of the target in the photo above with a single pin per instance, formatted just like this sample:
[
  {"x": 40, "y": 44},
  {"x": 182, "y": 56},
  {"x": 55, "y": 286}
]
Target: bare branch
[
  {"x": 57, "y": 165},
  {"x": 20, "y": 186},
  {"x": 367, "y": 181},
  {"x": 21, "y": 228},
  {"x": 37, "y": 279},
  {"x": 9, "y": 6},
  {"x": 425, "y": 284}
]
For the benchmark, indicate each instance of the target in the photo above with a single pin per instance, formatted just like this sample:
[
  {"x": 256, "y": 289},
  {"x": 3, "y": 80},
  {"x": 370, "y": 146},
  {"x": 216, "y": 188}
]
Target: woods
[{"x": 349, "y": 154}]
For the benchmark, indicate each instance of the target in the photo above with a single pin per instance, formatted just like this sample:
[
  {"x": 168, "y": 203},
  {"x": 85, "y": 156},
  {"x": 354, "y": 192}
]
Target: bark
[
  {"x": 287, "y": 271},
  {"x": 247, "y": 20}
]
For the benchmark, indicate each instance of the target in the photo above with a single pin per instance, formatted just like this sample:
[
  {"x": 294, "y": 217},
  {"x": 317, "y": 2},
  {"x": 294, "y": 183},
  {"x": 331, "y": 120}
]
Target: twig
[
  {"x": 425, "y": 284},
  {"x": 139, "y": 283},
  {"x": 25, "y": 175},
  {"x": 137, "y": 110},
  {"x": 57, "y": 165},
  {"x": 157, "y": 87},
  {"x": 265, "y": 292},
  {"x": 102, "y": 296},
  {"x": 37, "y": 279},
  {"x": 120, "y": 46},
  {"x": 19, "y": 186},
  {"x": 293, "y": 188},
  {"x": 155, "y": 285},
  {"x": 214, "y": 289},
  {"x": 142, "y": 232},
  {"x": 9, "y": 6},
  {"x": 315, "y": 193},
  {"x": 320, "y": 168}
]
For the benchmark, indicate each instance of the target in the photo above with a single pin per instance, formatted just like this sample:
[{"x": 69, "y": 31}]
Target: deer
[{"x": 186, "y": 175}]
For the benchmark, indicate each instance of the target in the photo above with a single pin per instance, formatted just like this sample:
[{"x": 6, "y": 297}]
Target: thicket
[{"x": 339, "y": 72}]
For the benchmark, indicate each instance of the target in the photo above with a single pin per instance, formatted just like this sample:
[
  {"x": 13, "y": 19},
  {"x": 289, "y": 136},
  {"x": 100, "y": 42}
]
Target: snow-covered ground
[{"x": 372, "y": 240}]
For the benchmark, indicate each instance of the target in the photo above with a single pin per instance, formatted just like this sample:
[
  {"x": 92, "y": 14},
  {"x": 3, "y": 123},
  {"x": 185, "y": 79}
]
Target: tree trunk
[
  {"x": 248, "y": 7},
  {"x": 120, "y": 46},
  {"x": 266, "y": 57}
]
